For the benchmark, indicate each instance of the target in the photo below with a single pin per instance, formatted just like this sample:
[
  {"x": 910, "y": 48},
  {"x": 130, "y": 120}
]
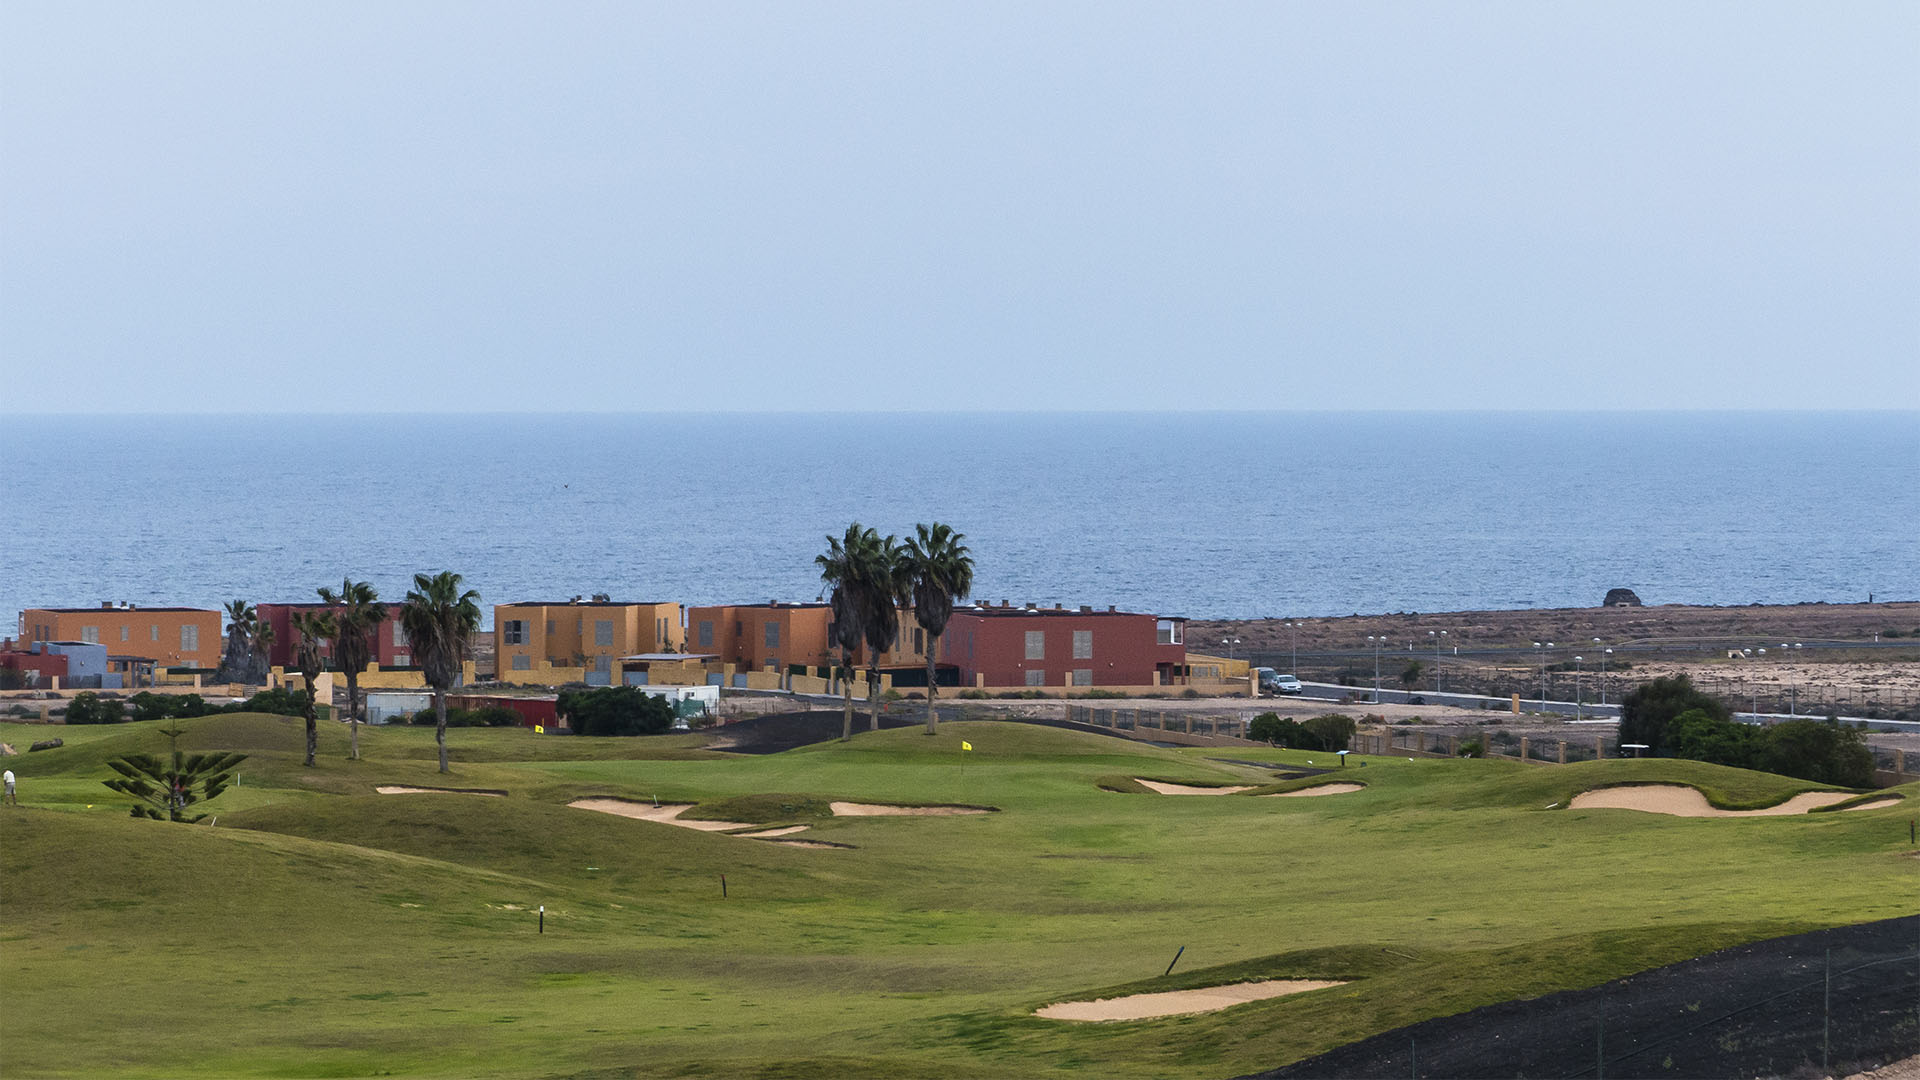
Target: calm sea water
[{"x": 1204, "y": 515}]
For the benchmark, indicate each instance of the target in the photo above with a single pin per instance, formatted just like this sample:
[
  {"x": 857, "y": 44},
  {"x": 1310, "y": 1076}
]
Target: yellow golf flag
[
  {"x": 965, "y": 745},
  {"x": 539, "y": 729}
]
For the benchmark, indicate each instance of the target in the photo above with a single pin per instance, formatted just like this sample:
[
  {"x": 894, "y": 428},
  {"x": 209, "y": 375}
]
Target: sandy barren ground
[
  {"x": 763, "y": 834},
  {"x": 1317, "y": 789},
  {"x": 1682, "y": 801},
  {"x": 1180, "y": 1002},
  {"x": 1908, "y": 1069},
  {"x": 1187, "y": 789},
  {"x": 397, "y": 789},
  {"x": 666, "y": 814},
  {"x": 854, "y": 809}
]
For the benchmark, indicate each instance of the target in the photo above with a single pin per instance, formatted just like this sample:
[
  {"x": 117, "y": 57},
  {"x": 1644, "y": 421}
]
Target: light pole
[
  {"x": 1604, "y": 657},
  {"x": 1439, "y": 639},
  {"x": 1295, "y": 669},
  {"x": 1543, "y": 672},
  {"x": 1377, "y": 642},
  {"x": 1576, "y": 687},
  {"x": 1229, "y": 643}
]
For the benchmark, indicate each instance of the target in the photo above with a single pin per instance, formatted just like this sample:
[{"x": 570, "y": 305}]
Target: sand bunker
[
  {"x": 816, "y": 845},
  {"x": 1180, "y": 1002},
  {"x": 765, "y": 833},
  {"x": 666, "y": 814},
  {"x": 1187, "y": 789},
  {"x": 1681, "y": 801},
  {"x": 1317, "y": 789},
  {"x": 397, "y": 789},
  {"x": 854, "y": 809}
]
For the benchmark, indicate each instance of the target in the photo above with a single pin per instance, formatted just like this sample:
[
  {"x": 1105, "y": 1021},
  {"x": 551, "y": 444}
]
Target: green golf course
[{"x": 313, "y": 927}]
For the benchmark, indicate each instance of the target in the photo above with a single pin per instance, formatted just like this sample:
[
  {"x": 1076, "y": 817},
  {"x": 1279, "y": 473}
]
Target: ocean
[{"x": 1203, "y": 515}]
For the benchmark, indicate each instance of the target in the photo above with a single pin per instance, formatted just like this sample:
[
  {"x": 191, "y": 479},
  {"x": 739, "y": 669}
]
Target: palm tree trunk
[
  {"x": 353, "y": 714},
  {"x": 313, "y": 720},
  {"x": 933, "y": 642},
  {"x": 440, "y": 725},
  {"x": 873, "y": 696},
  {"x": 846, "y": 691}
]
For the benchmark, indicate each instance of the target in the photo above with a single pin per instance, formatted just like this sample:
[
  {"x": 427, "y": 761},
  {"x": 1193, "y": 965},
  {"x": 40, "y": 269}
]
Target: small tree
[
  {"x": 1698, "y": 735},
  {"x": 169, "y": 787},
  {"x": 1410, "y": 675},
  {"x": 1332, "y": 730},
  {"x": 1818, "y": 750},
  {"x": 939, "y": 570},
  {"x": 314, "y": 628},
  {"x": 1648, "y": 709},
  {"x": 615, "y": 710},
  {"x": 91, "y": 708},
  {"x": 838, "y": 568},
  {"x": 239, "y": 661}
]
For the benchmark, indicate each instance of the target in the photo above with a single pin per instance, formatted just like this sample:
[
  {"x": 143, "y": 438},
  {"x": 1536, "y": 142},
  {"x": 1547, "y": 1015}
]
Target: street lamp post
[
  {"x": 1229, "y": 643},
  {"x": 1576, "y": 686},
  {"x": 1295, "y": 669},
  {"x": 1377, "y": 642},
  {"x": 1543, "y": 672},
  {"x": 1604, "y": 657},
  {"x": 1439, "y": 639}
]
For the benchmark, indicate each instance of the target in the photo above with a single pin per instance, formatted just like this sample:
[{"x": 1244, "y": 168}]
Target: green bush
[
  {"x": 974, "y": 694},
  {"x": 615, "y": 710},
  {"x": 1473, "y": 748},
  {"x": 279, "y": 701},
  {"x": 1648, "y": 710},
  {"x": 1331, "y": 731},
  {"x": 151, "y": 706},
  {"x": 1822, "y": 751},
  {"x": 91, "y": 708}
]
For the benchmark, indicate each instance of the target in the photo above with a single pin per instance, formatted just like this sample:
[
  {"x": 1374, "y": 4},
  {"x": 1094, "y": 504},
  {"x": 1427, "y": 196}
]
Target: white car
[{"x": 1282, "y": 684}]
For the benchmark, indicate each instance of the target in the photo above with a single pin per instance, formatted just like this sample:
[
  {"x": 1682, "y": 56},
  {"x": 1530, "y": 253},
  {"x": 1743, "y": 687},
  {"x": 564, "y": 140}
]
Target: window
[
  {"x": 401, "y": 659},
  {"x": 189, "y": 639},
  {"x": 1167, "y": 632},
  {"x": 603, "y": 632},
  {"x": 1083, "y": 645},
  {"x": 1083, "y": 676},
  {"x": 153, "y": 632},
  {"x": 773, "y": 635},
  {"x": 1036, "y": 647},
  {"x": 549, "y": 627},
  {"x": 514, "y": 632},
  {"x": 603, "y": 663},
  {"x": 522, "y": 662},
  {"x": 126, "y": 632},
  {"x": 90, "y": 635},
  {"x": 706, "y": 633},
  {"x": 400, "y": 635},
  {"x": 1036, "y": 677},
  {"x": 919, "y": 640}
]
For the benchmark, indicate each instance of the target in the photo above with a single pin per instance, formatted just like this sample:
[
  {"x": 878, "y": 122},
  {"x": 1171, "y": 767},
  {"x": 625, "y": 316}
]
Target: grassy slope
[{"x": 344, "y": 933}]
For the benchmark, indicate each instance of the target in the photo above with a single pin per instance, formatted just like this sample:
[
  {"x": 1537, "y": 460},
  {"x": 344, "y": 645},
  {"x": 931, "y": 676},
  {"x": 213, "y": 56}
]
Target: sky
[{"x": 623, "y": 206}]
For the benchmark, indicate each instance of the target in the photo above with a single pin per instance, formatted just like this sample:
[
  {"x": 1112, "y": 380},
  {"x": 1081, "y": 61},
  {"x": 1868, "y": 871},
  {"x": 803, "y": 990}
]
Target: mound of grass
[{"x": 775, "y": 808}]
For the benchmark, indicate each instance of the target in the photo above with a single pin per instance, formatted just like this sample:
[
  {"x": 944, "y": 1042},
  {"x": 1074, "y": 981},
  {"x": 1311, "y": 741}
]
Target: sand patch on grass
[
  {"x": 1180, "y": 1002},
  {"x": 815, "y": 845},
  {"x": 763, "y": 834},
  {"x": 1317, "y": 789},
  {"x": 665, "y": 813},
  {"x": 1681, "y": 801},
  {"x": 1188, "y": 789},
  {"x": 854, "y": 809},
  {"x": 401, "y": 789}
]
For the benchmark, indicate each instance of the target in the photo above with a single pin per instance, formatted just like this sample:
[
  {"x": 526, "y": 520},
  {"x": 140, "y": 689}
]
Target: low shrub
[
  {"x": 91, "y": 708},
  {"x": 973, "y": 695}
]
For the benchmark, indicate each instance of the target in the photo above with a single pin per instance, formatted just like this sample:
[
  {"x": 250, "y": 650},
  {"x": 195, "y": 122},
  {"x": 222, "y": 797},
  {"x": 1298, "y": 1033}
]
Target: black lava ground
[{"x": 1756, "y": 1010}]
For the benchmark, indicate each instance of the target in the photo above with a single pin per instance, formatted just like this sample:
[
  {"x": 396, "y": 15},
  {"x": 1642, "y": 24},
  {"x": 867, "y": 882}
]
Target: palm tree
[
  {"x": 439, "y": 620},
  {"x": 261, "y": 647},
  {"x": 236, "y": 658},
  {"x": 838, "y": 570},
  {"x": 939, "y": 570},
  {"x": 879, "y": 596},
  {"x": 357, "y": 616},
  {"x": 313, "y": 628}
]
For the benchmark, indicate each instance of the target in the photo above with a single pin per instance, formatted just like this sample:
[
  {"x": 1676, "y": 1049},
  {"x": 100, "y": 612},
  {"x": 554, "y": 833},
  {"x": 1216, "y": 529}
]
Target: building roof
[
  {"x": 1009, "y": 611},
  {"x": 118, "y": 610},
  {"x": 586, "y": 603},
  {"x": 779, "y": 606}
]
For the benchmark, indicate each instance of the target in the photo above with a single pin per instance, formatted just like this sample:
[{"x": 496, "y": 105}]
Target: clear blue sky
[{"x": 627, "y": 206}]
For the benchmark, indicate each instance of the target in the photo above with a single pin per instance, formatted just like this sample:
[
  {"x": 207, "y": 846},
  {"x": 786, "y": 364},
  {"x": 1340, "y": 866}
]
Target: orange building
[
  {"x": 782, "y": 636},
  {"x": 581, "y": 633},
  {"x": 170, "y": 636}
]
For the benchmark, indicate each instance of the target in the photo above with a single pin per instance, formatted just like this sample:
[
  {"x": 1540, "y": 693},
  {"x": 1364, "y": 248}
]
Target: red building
[
  {"x": 1029, "y": 646},
  {"x": 388, "y": 647},
  {"x": 37, "y": 669}
]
